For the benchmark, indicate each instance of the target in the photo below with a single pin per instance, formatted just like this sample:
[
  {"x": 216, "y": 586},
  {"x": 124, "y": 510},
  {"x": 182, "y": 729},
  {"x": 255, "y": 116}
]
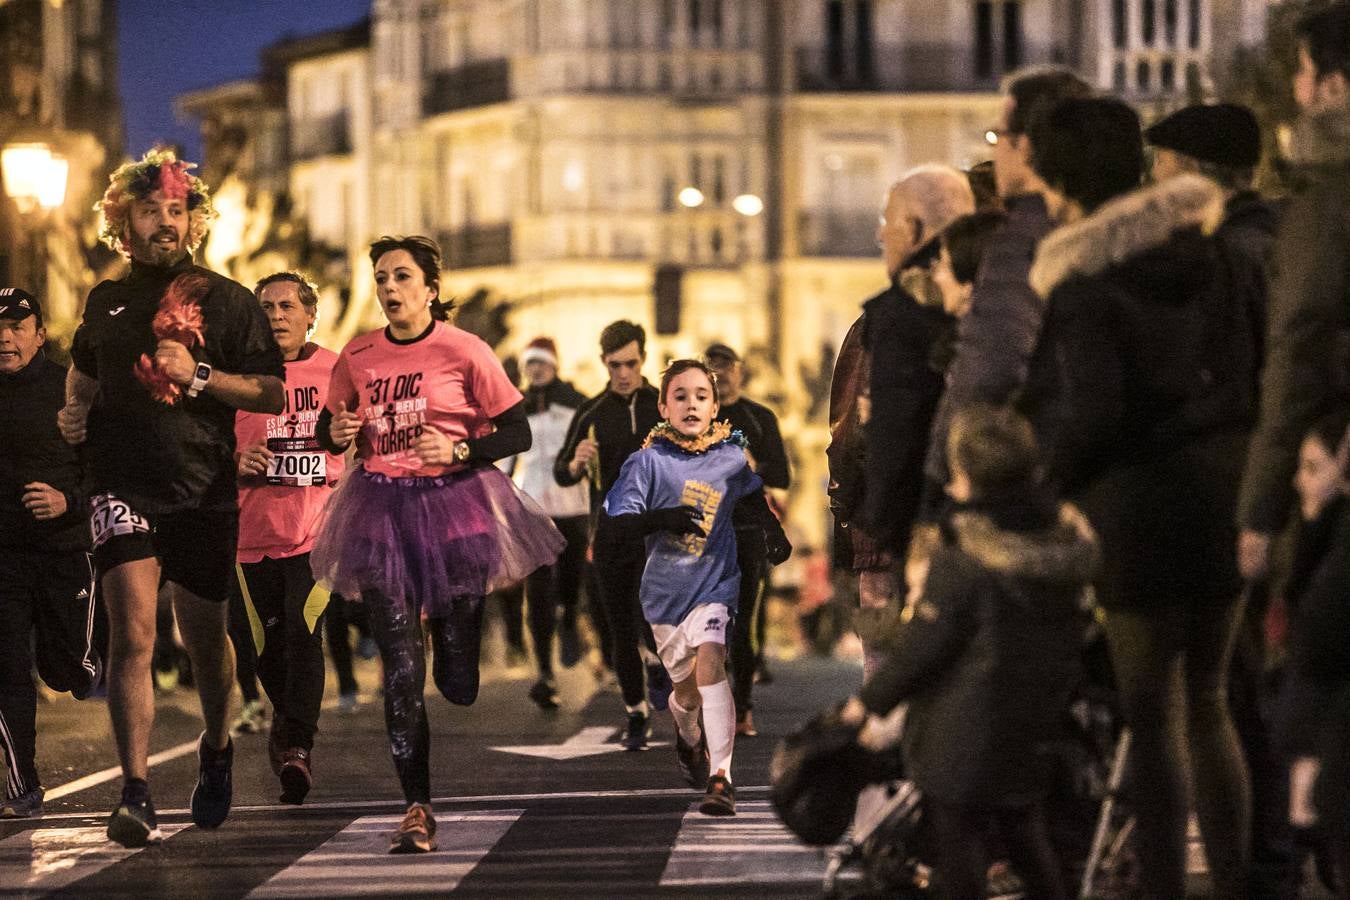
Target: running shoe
[
  {"x": 348, "y": 704},
  {"x": 719, "y": 799},
  {"x": 250, "y": 718},
  {"x": 296, "y": 778},
  {"x": 637, "y": 732},
  {"x": 133, "y": 822},
  {"x": 211, "y": 797},
  {"x": 416, "y": 833},
  {"x": 745, "y": 724},
  {"x": 693, "y": 761},
  {"x": 544, "y": 693},
  {"x": 570, "y": 646},
  {"x": 658, "y": 686},
  {"x": 27, "y": 805}
]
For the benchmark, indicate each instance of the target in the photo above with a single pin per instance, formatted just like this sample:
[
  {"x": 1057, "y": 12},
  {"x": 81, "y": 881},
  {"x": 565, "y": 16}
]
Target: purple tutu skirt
[{"x": 427, "y": 540}]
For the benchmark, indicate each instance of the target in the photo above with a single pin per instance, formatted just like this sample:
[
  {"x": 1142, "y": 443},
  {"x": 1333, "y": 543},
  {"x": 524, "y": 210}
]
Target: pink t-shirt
[
  {"x": 279, "y": 511},
  {"x": 450, "y": 381}
]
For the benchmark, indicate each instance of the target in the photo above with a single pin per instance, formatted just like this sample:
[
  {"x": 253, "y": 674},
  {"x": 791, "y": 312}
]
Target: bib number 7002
[{"x": 111, "y": 516}]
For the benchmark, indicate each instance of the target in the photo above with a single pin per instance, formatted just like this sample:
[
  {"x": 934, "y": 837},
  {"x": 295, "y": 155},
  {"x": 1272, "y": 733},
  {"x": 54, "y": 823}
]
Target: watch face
[{"x": 203, "y": 371}]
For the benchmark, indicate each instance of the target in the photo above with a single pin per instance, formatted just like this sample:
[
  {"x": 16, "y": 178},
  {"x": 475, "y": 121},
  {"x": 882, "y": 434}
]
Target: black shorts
[{"x": 195, "y": 548}]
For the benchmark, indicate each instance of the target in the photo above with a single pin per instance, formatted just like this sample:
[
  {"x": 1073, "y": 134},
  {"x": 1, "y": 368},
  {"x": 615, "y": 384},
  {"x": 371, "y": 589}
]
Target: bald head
[{"x": 918, "y": 206}]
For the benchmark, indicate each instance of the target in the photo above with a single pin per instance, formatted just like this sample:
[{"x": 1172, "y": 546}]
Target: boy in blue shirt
[{"x": 679, "y": 490}]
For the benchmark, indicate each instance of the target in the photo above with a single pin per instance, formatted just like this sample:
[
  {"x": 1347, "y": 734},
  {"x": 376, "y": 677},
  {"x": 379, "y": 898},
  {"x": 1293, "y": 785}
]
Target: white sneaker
[{"x": 250, "y": 719}]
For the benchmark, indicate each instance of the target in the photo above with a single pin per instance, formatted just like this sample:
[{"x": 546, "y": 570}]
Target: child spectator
[
  {"x": 987, "y": 655},
  {"x": 679, "y": 490}
]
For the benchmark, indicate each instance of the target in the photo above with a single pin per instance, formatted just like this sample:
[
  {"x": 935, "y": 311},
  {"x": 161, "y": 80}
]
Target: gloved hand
[
  {"x": 777, "y": 547},
  {"x": 676, "y": 520}
]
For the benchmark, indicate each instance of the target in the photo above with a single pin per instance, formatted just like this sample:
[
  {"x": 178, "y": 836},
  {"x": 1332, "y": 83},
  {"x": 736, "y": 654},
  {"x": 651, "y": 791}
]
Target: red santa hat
[{"x": 541, "y": 349}]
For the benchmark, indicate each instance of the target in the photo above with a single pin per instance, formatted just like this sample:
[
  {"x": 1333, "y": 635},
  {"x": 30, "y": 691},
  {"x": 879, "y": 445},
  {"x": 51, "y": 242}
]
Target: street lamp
[
  {"x": 748, "y": 205},
  {"x": 690, "y": 197},
  {"x": 34, "y": 177}
]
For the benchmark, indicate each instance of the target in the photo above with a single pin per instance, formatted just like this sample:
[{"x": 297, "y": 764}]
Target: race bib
[
  {"x": 111, "y": 517},
  {"x": 297, "y": 462}
]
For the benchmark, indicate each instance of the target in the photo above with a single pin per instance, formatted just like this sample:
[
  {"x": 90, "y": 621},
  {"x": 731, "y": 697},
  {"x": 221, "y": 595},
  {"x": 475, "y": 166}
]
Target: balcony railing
[
  {"x": 476, "y": 246},
  {"x": 837, "y": 232},
  {"x": 474, "y": 84},
  {"x": 328, "y": 136},
  {"x": 890, "y": 68},
  {"x": 686, "y": 73},
  {"x": 710, "y": 237}
]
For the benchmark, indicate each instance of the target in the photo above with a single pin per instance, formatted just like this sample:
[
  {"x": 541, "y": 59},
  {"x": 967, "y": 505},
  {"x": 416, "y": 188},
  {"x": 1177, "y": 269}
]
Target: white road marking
[
  {"x": 108, "y": 774},
  {"x": 356, "y": 862},
  {"x": 590, "y": 741},
  {"x": 752, "y": 847},
  {"x": 49, "y": 859}
]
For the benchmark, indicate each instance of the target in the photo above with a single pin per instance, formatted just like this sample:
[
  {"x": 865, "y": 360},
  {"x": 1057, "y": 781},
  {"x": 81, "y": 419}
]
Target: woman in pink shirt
[
  {"x": 425, "y": 524},
  {"x": 285, "y": 478}
]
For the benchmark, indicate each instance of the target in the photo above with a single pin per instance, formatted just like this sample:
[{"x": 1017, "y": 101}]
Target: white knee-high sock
[
  {"x": 719, "y": 723},
  {"x": 686, "y": 721}
]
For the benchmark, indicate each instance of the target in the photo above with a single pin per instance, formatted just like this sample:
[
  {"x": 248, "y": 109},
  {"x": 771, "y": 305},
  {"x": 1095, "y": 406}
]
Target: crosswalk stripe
[
  {"x": 753, "y": 847},
  {"x": 50, "y": 859},
  {"x": 356, "y": 862}
]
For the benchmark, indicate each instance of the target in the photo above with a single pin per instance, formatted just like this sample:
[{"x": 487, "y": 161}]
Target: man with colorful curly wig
[{"x": 161, "y": 362}]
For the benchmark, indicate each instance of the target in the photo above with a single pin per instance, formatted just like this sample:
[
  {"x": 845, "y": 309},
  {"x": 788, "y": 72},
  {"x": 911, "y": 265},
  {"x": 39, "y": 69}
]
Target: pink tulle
[{"x": 179, "y": 319}]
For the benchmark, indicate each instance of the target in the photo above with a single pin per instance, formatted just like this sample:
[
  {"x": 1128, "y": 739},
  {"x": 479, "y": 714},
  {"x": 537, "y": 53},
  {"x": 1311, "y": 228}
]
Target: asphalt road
[{"x": 528, "y": 804}]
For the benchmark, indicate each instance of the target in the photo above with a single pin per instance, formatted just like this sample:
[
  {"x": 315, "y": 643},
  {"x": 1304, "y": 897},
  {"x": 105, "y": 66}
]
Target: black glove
[
  {"x": 777, "y": 547},
  {"x": 675, "y": 519}
]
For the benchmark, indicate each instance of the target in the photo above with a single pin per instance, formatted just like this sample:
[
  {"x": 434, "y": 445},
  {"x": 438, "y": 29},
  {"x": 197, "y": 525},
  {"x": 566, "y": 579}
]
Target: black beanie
[{"x": 1224, "y": 134}]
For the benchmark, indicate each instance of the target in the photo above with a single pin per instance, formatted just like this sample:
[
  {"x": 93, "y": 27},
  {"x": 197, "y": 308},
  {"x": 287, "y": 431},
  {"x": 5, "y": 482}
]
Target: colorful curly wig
[{"x": 160, "y": 169}]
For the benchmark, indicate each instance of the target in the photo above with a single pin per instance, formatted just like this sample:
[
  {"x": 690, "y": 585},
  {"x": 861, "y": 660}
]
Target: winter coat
[
  {"x": 846, "y": 454},
  {"x": 549, "y": 410},
  {"x": 996, "y": 337},
  {"x": 1307, "y": 368},
  {"x": 910, "y": 345},
  {"x": 1141, "y": 389},
  {"x": 990, "y": 653}
]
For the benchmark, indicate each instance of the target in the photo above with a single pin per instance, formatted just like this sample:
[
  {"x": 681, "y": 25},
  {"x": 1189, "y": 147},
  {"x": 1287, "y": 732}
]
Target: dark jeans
[
  {"x": 549, "y": 587},
  {"x": 47, "y": 601},
  {"x": 337, "y": 622},
  {"x": 397, "y": 629},
  {"x": 245, "y": 654},
  {"x": 961, "y": 833},
  {"x": 745, "y": 637},
  {"x": 290, "y": 652},
  {"x": 1171, "y": 666},
  {"x": 618, "y": 573}
]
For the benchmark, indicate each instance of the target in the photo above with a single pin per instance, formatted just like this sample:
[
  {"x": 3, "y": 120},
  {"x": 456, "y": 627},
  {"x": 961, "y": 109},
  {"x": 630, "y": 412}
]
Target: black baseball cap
[
  {"x": 17, "y": 304},
  {"x": 1225, "y": 134},
  {"x": 721, "y": 351}
]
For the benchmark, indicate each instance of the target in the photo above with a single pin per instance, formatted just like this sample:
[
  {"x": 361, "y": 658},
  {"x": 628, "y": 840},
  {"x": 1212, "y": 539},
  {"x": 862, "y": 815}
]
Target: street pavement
[{"x": 528, "y": 803}]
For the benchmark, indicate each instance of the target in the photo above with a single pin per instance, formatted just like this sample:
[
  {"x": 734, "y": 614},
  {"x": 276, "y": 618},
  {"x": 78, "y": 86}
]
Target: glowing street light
[
  {"x": 748, "y": 205},
  {"x": 691, "y": 197},
  {"x": 33, "y": 176}
]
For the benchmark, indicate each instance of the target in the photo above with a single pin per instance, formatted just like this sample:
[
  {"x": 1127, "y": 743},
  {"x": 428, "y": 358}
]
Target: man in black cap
[
  {"x": 46, "y": 580},
  {"x": 768, "y": 458},
  {"x": 1223, "y": 142}
]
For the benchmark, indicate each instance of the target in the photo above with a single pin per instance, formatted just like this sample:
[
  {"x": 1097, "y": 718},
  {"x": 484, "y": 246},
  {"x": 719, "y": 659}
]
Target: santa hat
[{"x": 541, "y": 349}]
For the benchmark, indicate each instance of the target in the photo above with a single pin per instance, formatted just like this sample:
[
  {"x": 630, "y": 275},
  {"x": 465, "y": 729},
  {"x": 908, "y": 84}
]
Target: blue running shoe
[{"x": 211, "y": 797}]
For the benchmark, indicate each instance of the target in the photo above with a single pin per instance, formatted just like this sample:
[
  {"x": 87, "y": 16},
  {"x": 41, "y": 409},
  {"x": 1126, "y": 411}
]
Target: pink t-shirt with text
[
  {"x": 279, "y": 511},
  {"x": 449, "y": 380}
]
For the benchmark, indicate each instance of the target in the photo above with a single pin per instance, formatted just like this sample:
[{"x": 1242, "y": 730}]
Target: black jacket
[
  {"x": 619, "y": 425},
  {"x": 990, "y": 653},
  {"x": 557, "y": 391},
  {"x": 910, "y": 345},
  {"x": 1142, "y": 389},
  {"x": 31, "y": 449},
  {"x": 164, "y": 458}
]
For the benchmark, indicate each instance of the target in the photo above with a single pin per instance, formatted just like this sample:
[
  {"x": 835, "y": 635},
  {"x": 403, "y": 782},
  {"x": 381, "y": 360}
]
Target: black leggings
[
  {"x": 618, "y": 572},
  {"x": 744, "y": 645},
  {"x": 1171, "y": 666},
  {"x": 290, "y": 655},
  {"x": 549, "y": 587},
  {"x": 397, "y": 629},
  {"x": 961, "y": 832}
]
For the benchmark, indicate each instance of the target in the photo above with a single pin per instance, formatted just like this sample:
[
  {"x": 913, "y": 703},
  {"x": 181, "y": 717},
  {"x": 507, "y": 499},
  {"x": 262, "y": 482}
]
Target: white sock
[
  {"x": 686, "y": 722},
  {"x": 719, "y": 723},
  {"x": 640, "y": 708}
]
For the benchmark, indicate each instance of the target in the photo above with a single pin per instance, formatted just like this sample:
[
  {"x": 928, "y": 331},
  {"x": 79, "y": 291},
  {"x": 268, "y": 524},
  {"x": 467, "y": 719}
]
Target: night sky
[{"x": 167, "y": 48}]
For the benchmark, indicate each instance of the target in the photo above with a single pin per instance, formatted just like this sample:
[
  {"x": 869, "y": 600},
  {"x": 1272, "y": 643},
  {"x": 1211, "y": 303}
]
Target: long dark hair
[{"x": 427, "y": 254}]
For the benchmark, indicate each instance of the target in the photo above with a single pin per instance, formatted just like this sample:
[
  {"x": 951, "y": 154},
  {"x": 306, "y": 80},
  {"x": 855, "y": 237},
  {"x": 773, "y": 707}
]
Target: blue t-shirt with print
[{"x": 684, "y": 571}]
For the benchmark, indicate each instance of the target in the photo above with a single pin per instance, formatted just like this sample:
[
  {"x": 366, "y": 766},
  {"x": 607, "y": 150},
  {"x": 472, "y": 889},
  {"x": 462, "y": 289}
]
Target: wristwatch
[
  {"x": 199, "y": 379},
  {"x": 461, "y": 451}
]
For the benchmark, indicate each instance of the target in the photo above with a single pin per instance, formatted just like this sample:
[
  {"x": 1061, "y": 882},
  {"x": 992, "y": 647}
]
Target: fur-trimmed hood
[
  {"x": 1067, "y": 552},
  {"x": 1125, "y": 227}
]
